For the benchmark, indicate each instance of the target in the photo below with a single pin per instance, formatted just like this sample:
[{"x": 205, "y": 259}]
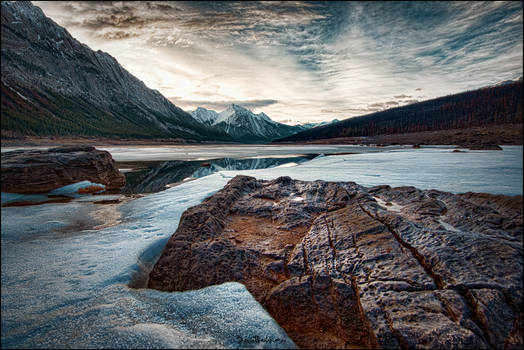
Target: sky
[{"x": 303, "y": 62}]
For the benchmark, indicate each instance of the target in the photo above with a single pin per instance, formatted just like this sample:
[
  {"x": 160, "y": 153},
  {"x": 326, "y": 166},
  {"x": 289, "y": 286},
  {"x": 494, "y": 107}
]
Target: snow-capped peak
[
  {"x": 205, "y": 116},
  {"x": 234, "y": 111},
  {"x": 242, "y": 124}
]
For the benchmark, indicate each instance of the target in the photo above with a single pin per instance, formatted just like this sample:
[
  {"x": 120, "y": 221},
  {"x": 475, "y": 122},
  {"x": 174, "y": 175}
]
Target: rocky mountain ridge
[
  {"x": 54, "y": 85},
  {"x": 244, "y": 125}
]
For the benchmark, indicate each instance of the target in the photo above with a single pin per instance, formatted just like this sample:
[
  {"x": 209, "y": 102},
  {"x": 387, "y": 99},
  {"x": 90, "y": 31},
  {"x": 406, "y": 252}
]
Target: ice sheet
[
  {"x": 498, "y": 172},
  {"x": 202, "y": 152},
  {"x": 71, "y": 290},
  {"x": 70, "y": 190}
]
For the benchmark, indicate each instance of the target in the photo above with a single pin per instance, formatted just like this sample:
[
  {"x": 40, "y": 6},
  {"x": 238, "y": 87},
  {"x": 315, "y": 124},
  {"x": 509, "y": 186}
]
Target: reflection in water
[{"x": 148, "y": 177}]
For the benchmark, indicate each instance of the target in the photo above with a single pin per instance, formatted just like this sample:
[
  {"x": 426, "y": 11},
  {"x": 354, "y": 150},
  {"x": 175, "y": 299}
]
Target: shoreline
[{"x": 504, "y": 134}]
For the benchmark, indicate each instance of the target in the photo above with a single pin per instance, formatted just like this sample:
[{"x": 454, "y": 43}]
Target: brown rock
[
  {"x": 338, "y": 270},
  {"x": 41, "y": 171}
]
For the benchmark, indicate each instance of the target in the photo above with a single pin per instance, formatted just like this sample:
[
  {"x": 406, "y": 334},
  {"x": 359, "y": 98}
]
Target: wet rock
[
  {"x": 41, "y": 171},
  {"x": 339, "y": 268}
]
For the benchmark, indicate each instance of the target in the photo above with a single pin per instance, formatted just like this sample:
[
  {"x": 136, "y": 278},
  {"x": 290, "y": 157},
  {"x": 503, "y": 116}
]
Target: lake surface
[
  {"x": 72, "y": 272},
  {"x": 205, "y": 152},
  {"x": 154, "y": 176},
  {"x": 497, "y": 172}
]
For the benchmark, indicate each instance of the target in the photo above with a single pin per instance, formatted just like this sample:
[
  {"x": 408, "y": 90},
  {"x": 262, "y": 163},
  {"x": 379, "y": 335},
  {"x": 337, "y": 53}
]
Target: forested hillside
[{"x": 487, "y": 106}]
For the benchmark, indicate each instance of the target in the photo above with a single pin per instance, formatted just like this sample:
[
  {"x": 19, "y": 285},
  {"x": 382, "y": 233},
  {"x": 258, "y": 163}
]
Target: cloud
[
  {"x": 220, "y": 105},
  {"x": 320, "y": 60},
  {"x": 119, "y": 34}
]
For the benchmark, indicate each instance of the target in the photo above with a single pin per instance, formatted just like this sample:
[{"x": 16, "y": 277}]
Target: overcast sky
[{"x": 303, "y": 61}]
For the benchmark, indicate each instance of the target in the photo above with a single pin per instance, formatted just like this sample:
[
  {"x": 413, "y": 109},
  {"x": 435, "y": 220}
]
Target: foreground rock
[
  {"x": 41, "y": 171},
  {"x": 340, "y": 266}
]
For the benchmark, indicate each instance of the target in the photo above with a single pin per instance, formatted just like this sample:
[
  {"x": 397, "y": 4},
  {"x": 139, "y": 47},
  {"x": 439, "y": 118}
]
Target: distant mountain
[
  {"x": 307, "y": 126},
  {"x": 54, "y": 85},
  {"x": 243, "y": 125},
  {"x": 204, "y": 116},
  {"x": 493, "y": 105}
]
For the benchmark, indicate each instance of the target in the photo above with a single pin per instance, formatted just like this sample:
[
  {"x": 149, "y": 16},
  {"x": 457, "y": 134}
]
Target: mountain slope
[
  {"x": 54, "y": 85},
  {"x": 479, "y": 108},
  {"x": 244, "y": 125},
  {"x": 204, "y": 116}
]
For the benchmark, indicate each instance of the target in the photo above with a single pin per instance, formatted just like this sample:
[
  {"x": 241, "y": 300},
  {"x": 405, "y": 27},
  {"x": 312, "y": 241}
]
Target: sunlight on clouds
[{"x": 303, "y": 61}]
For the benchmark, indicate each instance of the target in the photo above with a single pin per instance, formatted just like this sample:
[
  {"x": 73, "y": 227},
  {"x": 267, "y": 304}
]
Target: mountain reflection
[{"x": 149, "y": 177}]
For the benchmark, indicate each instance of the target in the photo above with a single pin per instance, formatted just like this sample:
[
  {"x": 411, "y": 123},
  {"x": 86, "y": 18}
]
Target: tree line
[{"x": 483, "y": 107}]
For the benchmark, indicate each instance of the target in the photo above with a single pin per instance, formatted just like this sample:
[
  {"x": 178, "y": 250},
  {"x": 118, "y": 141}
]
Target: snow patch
[
  {"x": 287, "y": 165},
  {"x": 72, "y": 189},
  {"x": 68, "y": 190},
  {"x": 392, "y": 207},
  {"x": 22, "y": 96}
]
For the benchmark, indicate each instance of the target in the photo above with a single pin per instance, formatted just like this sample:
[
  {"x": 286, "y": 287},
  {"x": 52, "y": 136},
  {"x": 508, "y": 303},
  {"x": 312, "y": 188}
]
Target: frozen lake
[
  {"x": 204, "y": 152},
  {"x": 66, "y": 276}
]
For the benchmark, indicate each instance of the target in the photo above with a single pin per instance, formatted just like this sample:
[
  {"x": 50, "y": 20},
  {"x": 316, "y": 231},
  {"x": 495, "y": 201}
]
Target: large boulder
[
  {"x": 342, "y": 266},
  {"x": 41, "y": 171}
]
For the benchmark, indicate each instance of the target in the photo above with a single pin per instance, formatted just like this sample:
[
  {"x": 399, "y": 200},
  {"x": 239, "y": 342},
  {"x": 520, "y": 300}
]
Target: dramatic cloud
[
  {"x": 219, "y": 106},
  {"x": 312, "y": 60}
]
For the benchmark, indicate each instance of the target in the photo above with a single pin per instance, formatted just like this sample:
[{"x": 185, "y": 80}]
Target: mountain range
[
  {"x": 54, "y": 85},
  {"x": 244, "y": 125}
]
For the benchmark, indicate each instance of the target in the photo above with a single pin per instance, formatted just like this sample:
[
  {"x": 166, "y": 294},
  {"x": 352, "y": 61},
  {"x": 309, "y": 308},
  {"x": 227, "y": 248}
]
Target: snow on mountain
[
  {"x": 314, "y": 125},
  {"x": 204, "y": 116},
  {"x": 244, "y": 125},
  {"x": 236, "y": 114}
]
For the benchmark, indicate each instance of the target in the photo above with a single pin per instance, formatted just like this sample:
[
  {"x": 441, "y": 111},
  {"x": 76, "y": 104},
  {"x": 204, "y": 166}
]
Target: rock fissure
[
  {"x": 331, "y": 245},
  {"x": 476, "y": 316},
  {"x": 464, "y": 292},
  {"x": 313, "y": 298},
  {"x": 372, "y": 337},
  {"x": 346, "y": 279},
  {"x": 419, "y": 257},
  {"x": 304, "y": 258},
  {"x": 398, "y": 336},
  {"x": 334, "y": 302},
  {"x": 449, "y": 311}
]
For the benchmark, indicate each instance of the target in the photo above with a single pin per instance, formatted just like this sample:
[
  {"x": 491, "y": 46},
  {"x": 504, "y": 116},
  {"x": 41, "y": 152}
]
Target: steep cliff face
[{"x": 53, "y": 84}]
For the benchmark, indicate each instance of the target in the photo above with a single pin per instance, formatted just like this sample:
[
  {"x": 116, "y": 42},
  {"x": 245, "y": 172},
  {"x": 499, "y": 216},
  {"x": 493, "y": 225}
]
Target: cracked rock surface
[{"x": 339, "y": 265}]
